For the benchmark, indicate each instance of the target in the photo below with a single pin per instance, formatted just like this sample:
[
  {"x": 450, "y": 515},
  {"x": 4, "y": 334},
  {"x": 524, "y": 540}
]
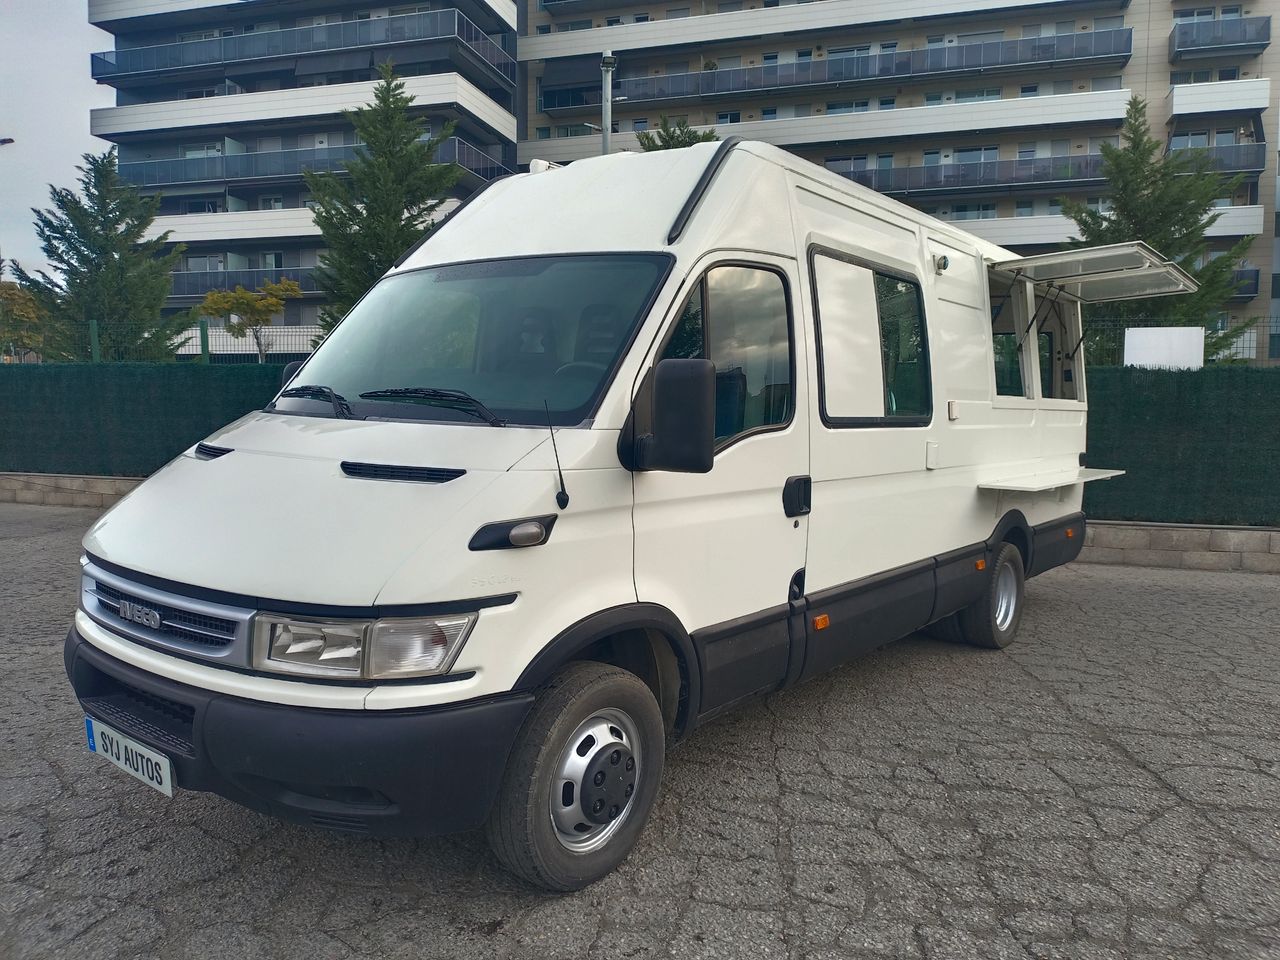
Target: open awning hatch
[{"x": 1118, "y": 271}]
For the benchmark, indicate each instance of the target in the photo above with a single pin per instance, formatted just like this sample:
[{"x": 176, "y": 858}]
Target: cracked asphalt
[{"x": 1108, "y": 787}]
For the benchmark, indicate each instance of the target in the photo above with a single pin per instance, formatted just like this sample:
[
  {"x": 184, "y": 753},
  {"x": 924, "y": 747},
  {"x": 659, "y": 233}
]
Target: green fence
[
  {"x": 119, "y": 419},
  {"x": 1198, "y": 446}
]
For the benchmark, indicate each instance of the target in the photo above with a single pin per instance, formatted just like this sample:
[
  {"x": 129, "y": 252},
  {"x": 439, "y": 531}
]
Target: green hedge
[
  {"x": 1199, "y": 446},
  {"x": 119, "y": 419}
]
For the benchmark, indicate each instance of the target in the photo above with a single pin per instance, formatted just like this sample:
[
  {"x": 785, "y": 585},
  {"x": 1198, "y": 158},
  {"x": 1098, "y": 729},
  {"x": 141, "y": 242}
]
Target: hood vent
[
  {"x": 388, "y": 471},
  {"x": 208, "y": 451}
]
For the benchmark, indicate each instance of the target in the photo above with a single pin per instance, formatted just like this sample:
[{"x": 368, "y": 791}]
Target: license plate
[{"x": 142, "y": 763}]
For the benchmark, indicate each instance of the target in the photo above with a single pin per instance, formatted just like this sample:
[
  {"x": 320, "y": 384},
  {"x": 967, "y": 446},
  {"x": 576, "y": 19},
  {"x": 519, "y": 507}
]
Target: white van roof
[{"x": 643, "y": 201}]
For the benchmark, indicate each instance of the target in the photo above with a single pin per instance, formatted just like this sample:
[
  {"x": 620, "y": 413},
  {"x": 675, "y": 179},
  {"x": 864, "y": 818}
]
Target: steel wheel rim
[
  {"x": 594, "y": 740},
  {"x": 1006, "y": 597}
]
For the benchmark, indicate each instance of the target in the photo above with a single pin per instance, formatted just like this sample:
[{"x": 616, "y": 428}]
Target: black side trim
[
  {"x": 209, "y": 452},
  {"x": 742, "y": 657},
  {"x": 631, "y": 616},
  {"x": 958, "y": 581},
  {"x": 306, "y": 609},
  {"x": 868, "y": 613},
  {"x": 449, "y": 216},
  {"x": 1056, "y": 543},
  {"x": 391, "y": 471},
  {"x": 497, "y": 536},
  {"x": 699, "y": 189}
]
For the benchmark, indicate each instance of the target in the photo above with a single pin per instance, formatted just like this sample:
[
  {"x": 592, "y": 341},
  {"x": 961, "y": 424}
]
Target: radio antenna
[{"x": 562, "y": 498}]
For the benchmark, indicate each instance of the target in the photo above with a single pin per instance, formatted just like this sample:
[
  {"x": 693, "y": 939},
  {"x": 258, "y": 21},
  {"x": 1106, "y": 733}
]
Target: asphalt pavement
[{"x": 1107, "y": 787}]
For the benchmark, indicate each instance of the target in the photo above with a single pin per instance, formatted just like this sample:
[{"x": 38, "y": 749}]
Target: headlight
[{"x": 359, "y": 649}]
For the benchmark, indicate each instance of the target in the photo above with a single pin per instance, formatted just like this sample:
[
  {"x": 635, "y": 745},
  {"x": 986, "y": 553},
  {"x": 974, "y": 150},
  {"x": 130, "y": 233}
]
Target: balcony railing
[
  {"x": 1235, "y": 157},
  {"x": 196, "y": 283},
  {"x": 298, "y": 41},
  {"x": 1247, "y": 283},
  {"x": 286, "y": 164},
  {"x": 1212, "y": 38},
  {"x": 984, "y": 174},
  {"x": 959, "y": 58}
]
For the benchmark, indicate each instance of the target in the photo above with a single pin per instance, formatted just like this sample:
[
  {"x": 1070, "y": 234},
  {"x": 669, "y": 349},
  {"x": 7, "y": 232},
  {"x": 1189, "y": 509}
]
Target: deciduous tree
[{"x": 250, "y": 311}]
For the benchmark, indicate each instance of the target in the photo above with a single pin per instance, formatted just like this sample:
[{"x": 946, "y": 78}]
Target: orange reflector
[
  {"x": 1070, "y": 532},
  {"x": 821, "y": 621},
  {"x": 979, "y": 564}
]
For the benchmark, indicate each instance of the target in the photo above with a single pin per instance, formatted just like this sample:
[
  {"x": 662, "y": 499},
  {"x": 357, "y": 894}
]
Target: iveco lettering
[{"x": 619, "y": 446}]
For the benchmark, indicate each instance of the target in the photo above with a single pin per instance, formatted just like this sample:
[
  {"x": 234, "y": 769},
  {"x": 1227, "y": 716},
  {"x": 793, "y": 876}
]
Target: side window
[
  {"x": 1009, "y": 358},
  {"x": 874, "y": 347},
  {"x": 737, "y": 318}
]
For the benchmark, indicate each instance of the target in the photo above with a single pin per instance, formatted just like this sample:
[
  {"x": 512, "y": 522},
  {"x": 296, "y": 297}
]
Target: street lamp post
[{"x": 608, "y": 62}]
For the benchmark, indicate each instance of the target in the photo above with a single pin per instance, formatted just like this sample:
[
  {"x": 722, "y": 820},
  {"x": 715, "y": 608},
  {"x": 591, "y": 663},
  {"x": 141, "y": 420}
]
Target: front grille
[
  {"x": 153, "y": 719},
  {"x": 390, "y": 471},
  {"x": 197, "y": 628}
]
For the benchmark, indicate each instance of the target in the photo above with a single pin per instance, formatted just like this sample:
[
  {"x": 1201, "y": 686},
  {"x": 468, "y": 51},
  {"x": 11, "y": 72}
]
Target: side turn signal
[{"x": 821, "y": 621}]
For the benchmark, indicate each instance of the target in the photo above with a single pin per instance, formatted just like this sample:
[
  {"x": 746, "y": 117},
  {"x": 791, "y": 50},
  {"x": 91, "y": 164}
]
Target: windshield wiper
[
  {"x": 314, "y": 391},
  {"x": 453, "y": 399}
]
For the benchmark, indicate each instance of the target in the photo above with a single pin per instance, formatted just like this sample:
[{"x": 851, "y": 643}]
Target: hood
[{"x": 278, "y": 517}]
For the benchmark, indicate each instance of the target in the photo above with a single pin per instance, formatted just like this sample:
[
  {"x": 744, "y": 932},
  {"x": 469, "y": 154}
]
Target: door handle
[{"x": 797, "y": 496}]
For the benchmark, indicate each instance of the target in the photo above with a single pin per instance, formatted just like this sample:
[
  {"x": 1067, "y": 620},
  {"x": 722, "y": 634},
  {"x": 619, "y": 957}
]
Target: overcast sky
[{"x": 45, "y": 97}]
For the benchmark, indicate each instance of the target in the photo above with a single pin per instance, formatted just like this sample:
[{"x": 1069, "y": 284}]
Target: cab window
[{"x": 737, "y": 317}]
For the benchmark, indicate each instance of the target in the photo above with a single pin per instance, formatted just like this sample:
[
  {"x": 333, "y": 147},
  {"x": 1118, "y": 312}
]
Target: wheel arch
[
  {"x": 644, "y": 638},
  {"x": 1013, "y": 528}
]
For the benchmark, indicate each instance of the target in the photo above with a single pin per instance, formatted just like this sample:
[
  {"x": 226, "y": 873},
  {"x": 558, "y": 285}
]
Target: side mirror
[
  {"x": 684, "y": 418},
  {"x": 290, "y": 368}
]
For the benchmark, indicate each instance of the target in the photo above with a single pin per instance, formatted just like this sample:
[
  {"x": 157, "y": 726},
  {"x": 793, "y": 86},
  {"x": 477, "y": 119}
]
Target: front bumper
[{"x": 393, "y": 772}]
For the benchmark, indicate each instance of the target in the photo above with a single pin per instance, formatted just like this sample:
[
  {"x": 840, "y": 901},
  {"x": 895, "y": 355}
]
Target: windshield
[{"x": 517, "y": 336}]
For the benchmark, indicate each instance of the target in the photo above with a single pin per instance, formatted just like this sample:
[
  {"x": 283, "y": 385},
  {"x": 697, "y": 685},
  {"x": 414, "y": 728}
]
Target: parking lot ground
[{"x": 1107, "y": 787}]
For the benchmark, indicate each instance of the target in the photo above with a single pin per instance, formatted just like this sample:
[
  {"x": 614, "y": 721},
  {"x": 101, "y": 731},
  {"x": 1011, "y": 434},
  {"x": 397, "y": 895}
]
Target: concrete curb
[
  {"x": 64, "y": 490},
  {"x": 1182, "y": 546}
]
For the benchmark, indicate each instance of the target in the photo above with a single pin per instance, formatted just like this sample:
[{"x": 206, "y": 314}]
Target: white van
[{"x": 618, "y": 447}]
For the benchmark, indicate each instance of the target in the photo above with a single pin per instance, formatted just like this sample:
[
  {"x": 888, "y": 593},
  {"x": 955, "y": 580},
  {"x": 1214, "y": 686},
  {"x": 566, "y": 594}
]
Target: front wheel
[{"x": 582, "y": 778}]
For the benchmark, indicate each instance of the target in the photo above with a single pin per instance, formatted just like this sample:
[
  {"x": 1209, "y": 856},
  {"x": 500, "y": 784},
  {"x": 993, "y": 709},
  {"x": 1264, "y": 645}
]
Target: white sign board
[{"x": 1167, "y": 348}]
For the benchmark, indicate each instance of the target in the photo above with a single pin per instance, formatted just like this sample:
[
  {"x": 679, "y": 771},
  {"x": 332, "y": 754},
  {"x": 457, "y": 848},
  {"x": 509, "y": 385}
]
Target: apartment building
[
  {"x": 985, "y": 112},
  {"x": 221, "y": 105}
]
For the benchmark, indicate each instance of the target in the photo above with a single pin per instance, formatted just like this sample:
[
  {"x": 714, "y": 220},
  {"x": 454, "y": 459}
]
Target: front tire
[
  {"x": 581, "y": 780},
  {"x": 992, "y": 620}
]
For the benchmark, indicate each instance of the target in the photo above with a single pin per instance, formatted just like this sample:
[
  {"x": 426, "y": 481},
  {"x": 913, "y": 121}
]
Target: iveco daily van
[{"x": 620, "y": 445}]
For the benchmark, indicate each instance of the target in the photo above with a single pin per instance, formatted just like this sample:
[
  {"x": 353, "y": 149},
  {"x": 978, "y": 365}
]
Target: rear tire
[
  {"x": 581, "y": 780},
  {"x": 992, "y": 620}
]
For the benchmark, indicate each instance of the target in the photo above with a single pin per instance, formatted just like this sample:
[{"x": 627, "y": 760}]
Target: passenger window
[
  {"x": 737, "y": 317},
  {"x": 1006, "y": 342},
  {"x": 1046, "y": 365},
  {"x": 875, "y": 358}
]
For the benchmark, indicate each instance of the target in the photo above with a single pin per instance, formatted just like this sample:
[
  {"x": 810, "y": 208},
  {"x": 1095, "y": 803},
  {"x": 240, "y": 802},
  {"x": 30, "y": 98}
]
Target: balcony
[
  {"x": 1241, "y": 37},
  {"x": 1234, "y": 158},
  {"x": 1247, "y": 220},
  {"x": 989, "y": 175},
  {"x": 234, "y": 225},
  {"x": 1114, "y": 46},
  {"x": 358, "y": 36},
  {"x": 1223, "y": 96},
  {"x": 495, "y": 16},
  {"x": 196, "y": 283},
  {"x": 284, "y": 165},
  {"x": 1247, "y": 283},
  {"x": 1049, "y": 230},
  {"x": 793, "y": 18},
  {"x": 444, "y": 93},
  {"x": 1098, "y": 107}
]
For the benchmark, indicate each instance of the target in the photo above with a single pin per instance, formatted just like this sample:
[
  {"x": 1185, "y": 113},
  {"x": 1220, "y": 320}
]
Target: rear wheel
[
  {"x": 582, "y": 778},
  {"x": 992, "y": 620}
]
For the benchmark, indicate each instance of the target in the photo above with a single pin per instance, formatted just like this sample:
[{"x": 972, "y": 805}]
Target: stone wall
[
  {"x": 64, "y": 490},
  {"x": 1255, "y": 549}
]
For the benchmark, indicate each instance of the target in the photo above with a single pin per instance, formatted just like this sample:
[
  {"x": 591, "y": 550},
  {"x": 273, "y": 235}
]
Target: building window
[
  {"x": 932, "y": 158},
  {"x": 977, "y": 154},
  {"x": 544, "y": 28},
  {"x": 543, "y": 133},
  {"x": 977, "y": 95},
  {"x": 768, "y": 113},
  {"x": 804, "y": 56},
  {"x": 1106, "y": 83},
  {"x": 578, "y": 25},
  {"x": 272, "y": 260},
  {"x": 728, "y": 6},
  {"x": 932, "y": 99},
  {"x": 1024, "y": 208},
  {"x": 1029, "y": 90},
  {"x": 888, "y": 103},
  {"x": 640, "y": 18},
  {"x": 1229, "y": 73},
  {"x": 612, "y": 21},
  {"x": 677, "y": 13},
  {"x": 973, "y": 211},
  {"x": 640, "y": 123},
  {"x": 841, "y": 106},
  {"x": 769, "y": 59},
  {"x": 1108, "y": 23},
  {"x": 889, "y": 47},
  {"x": 1026, "y": 151},
  {"x": 729, "y": 116},
  {"x": 884, "y": 161},
  {"x": 271, "y": 203}
]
